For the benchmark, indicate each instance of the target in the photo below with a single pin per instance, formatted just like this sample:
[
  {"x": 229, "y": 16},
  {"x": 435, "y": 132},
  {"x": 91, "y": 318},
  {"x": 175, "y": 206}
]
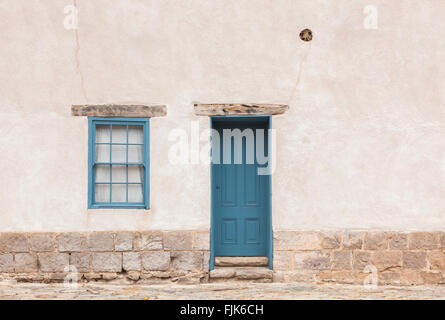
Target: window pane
[
  {"x": 135, "y": 173},
  {"x": 135, "y": 193},
  {"x": 102, "y": 173},
  {"x": 119, "y": 193},
  {"x": 135, "y": 154},
  {"x": 102, "y": 193},
  {"x": 102, "y": 153},
  {"x": 135, "y": 134},
  {"x": 119, "y": 153},
  {"x": 115, "y": 182},
  {"x": 119, "y": 173},
  {"x": 103, "y": 133},
  {"x": 119, "y": 134}
]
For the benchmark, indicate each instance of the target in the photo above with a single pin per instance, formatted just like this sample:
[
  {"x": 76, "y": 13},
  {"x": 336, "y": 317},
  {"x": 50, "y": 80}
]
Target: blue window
[{"x": 119, "y": 165}]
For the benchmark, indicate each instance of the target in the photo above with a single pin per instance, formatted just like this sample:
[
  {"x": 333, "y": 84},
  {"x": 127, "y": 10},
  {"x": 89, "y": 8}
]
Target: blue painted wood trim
[
  {"x": 147, "y": 165},
  {"x": 241, "y": 116},
  {"x": 91, "y": 134},
  {"x": 145, "y": 122},
  {"x": 270, "y": 231},
  {"x": 270, "y": 253},
  {"x": 212, "y": 233}
]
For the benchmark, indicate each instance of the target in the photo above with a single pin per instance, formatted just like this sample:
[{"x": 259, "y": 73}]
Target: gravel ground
[{"x": 247, "y": 291}]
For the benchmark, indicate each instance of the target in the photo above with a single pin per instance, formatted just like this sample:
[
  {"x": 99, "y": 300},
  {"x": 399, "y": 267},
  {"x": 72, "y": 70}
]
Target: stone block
[
  {"x": 100, "y": 241},
  {"x": 133, "y": 275},
  {"x": 187, "y": 260},
  {"x": 30, "y": 277},
  {"x": 422, "y": 240},
  {"x": 353, "y": 239},
  {"x": 71, "y": 242},
  {"x": 201, "y": 241},
  {"x": 111, "y": 110},
  {"x": 149, "y": 240},
  {"x": 25, "y": 262},
  {"x": 131, "y": 261},
  {"x": 124, "y": 241},
  {"x": 441, "y": 236},
  {"x": 410, "y": 277},
  {"x": 344, "y": 277},
  {"x": 239, "y": 109},
  {"x": 313, "y": 260},
  {"x": 254, "y": 273},
  {"x": 283, "y": 260},
  {"x": 190, "y": 278},
  {"x": 361, "y": 259},
  {"x": 414, "y": 259},
  {"x": 81, "y": 261},
  {"x": 367, "y": 277},
  {"x": 107, "y": 262},
  {"x": 6, "y": 262},
  {"x": 43, "y": 242},
  {"x": 156, "y": 261},
  {"x": 436, "y": 260},
  {"x": 14, "y": 242},
  {"x": 431, "y": 277},
  {"x": 342, "y": 260},
  {"x": 178, "y": 240},
  {"x": 242, "y": 261},
  {"x": 54, "y": 262},
  {"x": 60, "y": 277},
  {"x": 27, "y": 277},
  {"x": 294, "y": 240},
  {"x": 397, "y": 241},
  {"x": 206, "y": 261},
  {"x": 223, "y": 273},
  {"x": 389, "y": 278},
  {"x": 92, "y": 276},
  {"x": 109, "y": 276},
  {"x": 375, "y": 241},
  {"x": 331, "y": 240},
  {"x": 385, "y": 260}
]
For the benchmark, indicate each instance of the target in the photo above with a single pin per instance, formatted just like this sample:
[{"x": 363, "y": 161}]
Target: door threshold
[{"x": 241, "y": 261}]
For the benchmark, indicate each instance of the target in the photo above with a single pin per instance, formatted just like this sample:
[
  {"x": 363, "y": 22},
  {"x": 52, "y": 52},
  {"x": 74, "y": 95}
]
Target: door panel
[
  {"x": 230, "y": 188},
  {"x": 240, "y": 198}
]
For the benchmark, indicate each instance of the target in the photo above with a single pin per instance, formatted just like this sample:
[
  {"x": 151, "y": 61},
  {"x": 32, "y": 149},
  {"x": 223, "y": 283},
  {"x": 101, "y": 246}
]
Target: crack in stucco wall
[{"x": 300, "y": 70}]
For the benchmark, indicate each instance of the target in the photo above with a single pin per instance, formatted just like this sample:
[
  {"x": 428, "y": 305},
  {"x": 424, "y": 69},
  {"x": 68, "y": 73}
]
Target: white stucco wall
[{"x": 362, "y": 146}]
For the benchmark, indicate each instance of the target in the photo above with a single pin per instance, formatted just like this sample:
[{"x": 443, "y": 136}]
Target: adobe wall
[{"x": 361, "y": 148}]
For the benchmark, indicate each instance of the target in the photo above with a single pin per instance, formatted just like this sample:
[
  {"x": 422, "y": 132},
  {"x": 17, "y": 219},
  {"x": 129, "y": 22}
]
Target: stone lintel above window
[
  {"x": 216, "y": 109},
  {"x": 119, "y": 110}
]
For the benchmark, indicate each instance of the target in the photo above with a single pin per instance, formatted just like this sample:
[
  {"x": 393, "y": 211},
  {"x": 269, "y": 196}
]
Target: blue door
[{"x": 240, "y": 196}]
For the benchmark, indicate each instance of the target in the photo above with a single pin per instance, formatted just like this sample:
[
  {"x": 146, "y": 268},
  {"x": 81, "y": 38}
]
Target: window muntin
[{"x": 119, "y": 163}]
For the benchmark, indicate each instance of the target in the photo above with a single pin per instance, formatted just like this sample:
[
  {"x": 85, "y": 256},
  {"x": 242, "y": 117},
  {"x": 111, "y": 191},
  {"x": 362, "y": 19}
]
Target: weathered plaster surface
[{"x": 362, "y": 145}]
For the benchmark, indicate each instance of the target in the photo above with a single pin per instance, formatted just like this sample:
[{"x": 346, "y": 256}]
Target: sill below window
[{"x": 96, "y": 206}]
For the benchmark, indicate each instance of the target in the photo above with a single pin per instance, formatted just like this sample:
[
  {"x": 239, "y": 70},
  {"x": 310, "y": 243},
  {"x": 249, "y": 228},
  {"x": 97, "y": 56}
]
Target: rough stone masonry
[{"x": 183, "y": 256}]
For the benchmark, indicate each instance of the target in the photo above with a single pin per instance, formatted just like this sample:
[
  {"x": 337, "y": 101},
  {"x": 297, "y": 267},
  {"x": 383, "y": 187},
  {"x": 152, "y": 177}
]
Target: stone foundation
[
  {"x": 393, "y": 258},
  {"x": 151, "y": 256}
]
